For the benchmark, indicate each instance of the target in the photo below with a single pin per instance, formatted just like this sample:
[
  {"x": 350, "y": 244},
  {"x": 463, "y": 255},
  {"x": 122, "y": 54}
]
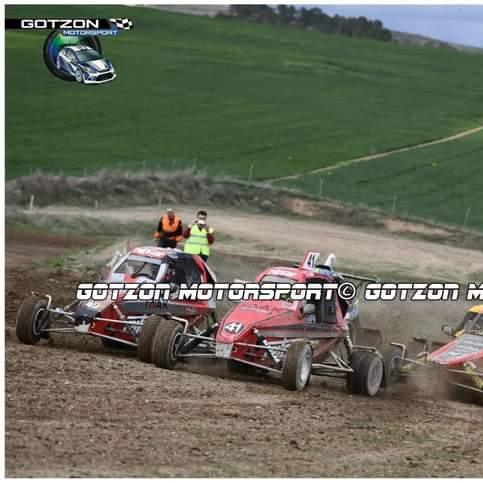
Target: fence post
[
  {"x": 144, "y": 166},
  {"x": 394, "y": 200},
  {"x": 31, "y": 204},
  {"x": 321, "y": 187},
  {"x": 250, "y": 173},
  {"x": 194, "y": 164},
  {"x": 96, "y": 204},
  {"x": 467, "y": 216}
]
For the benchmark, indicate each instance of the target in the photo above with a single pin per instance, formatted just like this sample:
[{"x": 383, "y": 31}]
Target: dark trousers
[
  {"x": 166, "y": 243},
  {"x": 204, "y": 257}
]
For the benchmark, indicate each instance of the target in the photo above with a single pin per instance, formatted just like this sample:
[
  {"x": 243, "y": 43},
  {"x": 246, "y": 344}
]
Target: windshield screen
[
  {"x": 87, "y": 55},
  {"x": 142, "y": 267},
  {"x": 276, "y": 279}
]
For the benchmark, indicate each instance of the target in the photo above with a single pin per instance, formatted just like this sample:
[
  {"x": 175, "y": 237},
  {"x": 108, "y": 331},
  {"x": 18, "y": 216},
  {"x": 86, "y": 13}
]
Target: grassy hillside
[
  {"x": 230, "y": 95},
  {"x": 438, "y": 182}
]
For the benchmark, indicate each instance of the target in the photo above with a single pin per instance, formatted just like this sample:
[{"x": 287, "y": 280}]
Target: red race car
[
  {"x": 294, "y": 339},
  {"x": 123, "y": 322}
]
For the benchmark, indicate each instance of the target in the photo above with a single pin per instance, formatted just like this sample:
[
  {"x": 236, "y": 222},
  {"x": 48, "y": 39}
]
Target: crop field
[
  {"x": 441, "y": 183},
  {"x": 230, "y": 95}
]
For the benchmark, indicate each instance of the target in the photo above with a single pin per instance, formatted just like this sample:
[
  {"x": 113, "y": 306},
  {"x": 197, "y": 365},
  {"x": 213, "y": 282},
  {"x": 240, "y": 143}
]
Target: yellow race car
[{"x": 459, "y": 362}]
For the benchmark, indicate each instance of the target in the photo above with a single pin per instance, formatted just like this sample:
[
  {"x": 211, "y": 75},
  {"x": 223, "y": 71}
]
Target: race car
[
  {"x": 457, "y": 364},
  {"x": 294, "y": 339},
  {"x": 85, "y": 65},
  {"x": 122, "y": 322}
]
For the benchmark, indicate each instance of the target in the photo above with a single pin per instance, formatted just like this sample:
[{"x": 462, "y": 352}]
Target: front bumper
[{"x": 99, "y": 77}]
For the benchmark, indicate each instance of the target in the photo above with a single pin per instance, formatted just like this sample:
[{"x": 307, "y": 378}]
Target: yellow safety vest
[{"x": 197, "y": 243}]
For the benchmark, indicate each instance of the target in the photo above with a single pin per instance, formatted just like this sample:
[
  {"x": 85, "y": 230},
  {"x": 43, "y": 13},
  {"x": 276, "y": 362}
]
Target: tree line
[{"x": 310, "y": 19}]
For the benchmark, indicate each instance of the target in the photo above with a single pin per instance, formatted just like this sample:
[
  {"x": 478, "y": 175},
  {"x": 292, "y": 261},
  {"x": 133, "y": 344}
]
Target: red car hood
[
  {"x": 463, "y": 349},
  {"x": 237, "y": 323}
]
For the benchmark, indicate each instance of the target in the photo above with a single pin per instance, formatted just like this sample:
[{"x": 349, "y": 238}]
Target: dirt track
[
  {"x": 271, "y": 236},
  {"x": 74, "y": 408}
]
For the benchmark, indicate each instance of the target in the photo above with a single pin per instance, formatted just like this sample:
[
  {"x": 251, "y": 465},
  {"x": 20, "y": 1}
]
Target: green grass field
[
  {"x": 229, "y": 94},
  {"x": 439, "y": 183}
]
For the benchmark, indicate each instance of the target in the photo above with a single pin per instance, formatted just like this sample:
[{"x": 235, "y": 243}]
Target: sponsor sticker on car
[{"x": 223, "y": 351}]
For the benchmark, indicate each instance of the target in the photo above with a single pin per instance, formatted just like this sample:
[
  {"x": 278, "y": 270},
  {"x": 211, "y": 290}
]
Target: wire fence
[{"x": 396, "y": 204}]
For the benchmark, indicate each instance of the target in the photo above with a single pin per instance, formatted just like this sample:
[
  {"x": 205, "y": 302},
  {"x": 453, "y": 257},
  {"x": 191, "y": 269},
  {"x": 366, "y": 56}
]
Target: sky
[{"x": 462, "y": 24}]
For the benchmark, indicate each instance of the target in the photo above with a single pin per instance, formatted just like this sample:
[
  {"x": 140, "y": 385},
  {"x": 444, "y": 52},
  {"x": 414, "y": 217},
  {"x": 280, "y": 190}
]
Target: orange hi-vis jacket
[{"x": 172, "y": 230}]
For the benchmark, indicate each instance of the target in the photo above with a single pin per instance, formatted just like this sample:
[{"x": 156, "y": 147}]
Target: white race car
[{"x": 85, "y": 65}]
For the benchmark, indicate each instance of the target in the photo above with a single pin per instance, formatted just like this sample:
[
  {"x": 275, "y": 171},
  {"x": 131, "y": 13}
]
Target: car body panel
[{"x": 278, "y": 321}]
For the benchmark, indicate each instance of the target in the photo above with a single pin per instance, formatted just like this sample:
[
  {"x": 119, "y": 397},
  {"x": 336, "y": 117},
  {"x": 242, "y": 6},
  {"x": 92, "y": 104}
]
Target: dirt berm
[{"x": 124, "y": 188}]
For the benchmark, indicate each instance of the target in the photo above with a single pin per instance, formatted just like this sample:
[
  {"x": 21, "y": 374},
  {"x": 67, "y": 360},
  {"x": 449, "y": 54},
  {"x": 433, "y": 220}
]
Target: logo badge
[
  {"x": 72, "y": 51},
  {"x": 77, "y": 58}
]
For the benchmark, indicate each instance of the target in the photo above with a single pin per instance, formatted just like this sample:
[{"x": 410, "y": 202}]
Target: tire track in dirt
[{"x": 343, "y": 164}]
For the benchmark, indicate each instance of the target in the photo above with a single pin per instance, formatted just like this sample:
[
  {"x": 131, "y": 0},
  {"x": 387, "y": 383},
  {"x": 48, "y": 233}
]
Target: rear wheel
[
  {"x": 297, "y": 366},
  {"x": 367, "y": 375},
  {"x": 145, "y": 340},
  {"x": 31, "y": 319},
  {"x": 166, "y": 342}
]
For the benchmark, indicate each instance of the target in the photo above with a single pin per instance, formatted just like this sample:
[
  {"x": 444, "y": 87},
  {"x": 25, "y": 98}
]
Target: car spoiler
[
  {"x": 312, "y": 257},
  {"x": 361, "y": 278}
]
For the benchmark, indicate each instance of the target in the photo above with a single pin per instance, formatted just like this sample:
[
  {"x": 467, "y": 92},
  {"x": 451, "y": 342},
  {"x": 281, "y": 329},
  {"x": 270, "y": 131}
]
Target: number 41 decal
[{"x": 233, "y": 327}]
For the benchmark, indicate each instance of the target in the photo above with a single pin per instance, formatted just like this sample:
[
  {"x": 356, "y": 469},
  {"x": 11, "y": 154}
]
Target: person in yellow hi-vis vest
[{"x": 199, "y": 236}]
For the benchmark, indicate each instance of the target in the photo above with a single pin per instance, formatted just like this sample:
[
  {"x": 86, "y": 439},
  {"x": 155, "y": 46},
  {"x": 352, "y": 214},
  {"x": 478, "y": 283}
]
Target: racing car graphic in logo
[{"x": 85, "y": 65}]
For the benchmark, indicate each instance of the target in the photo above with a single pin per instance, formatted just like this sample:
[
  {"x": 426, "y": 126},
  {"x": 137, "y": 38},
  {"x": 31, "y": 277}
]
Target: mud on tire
[
  {"x": 297, "y": 366},
  {"x": 145, "y": 340},
  {"x": 30, "y": 317},
  {"x": 367, "y": 375},
  {"x": 165, "y": 343}
]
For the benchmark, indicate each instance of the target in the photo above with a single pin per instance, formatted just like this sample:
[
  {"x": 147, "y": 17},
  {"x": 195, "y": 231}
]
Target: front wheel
[
  {"x": 31, "y": 319},
  {"x": 78, "y": 75},
  {"x": 297, "y": 366},
  {"x": 145, "y": 340},
  {"x": 166, "y": 342},
  {"x": 367, "y": 373}
]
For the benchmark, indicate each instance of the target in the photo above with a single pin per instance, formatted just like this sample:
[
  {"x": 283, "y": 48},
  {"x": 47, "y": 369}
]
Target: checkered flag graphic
[{"x": 122, "y": 23}]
